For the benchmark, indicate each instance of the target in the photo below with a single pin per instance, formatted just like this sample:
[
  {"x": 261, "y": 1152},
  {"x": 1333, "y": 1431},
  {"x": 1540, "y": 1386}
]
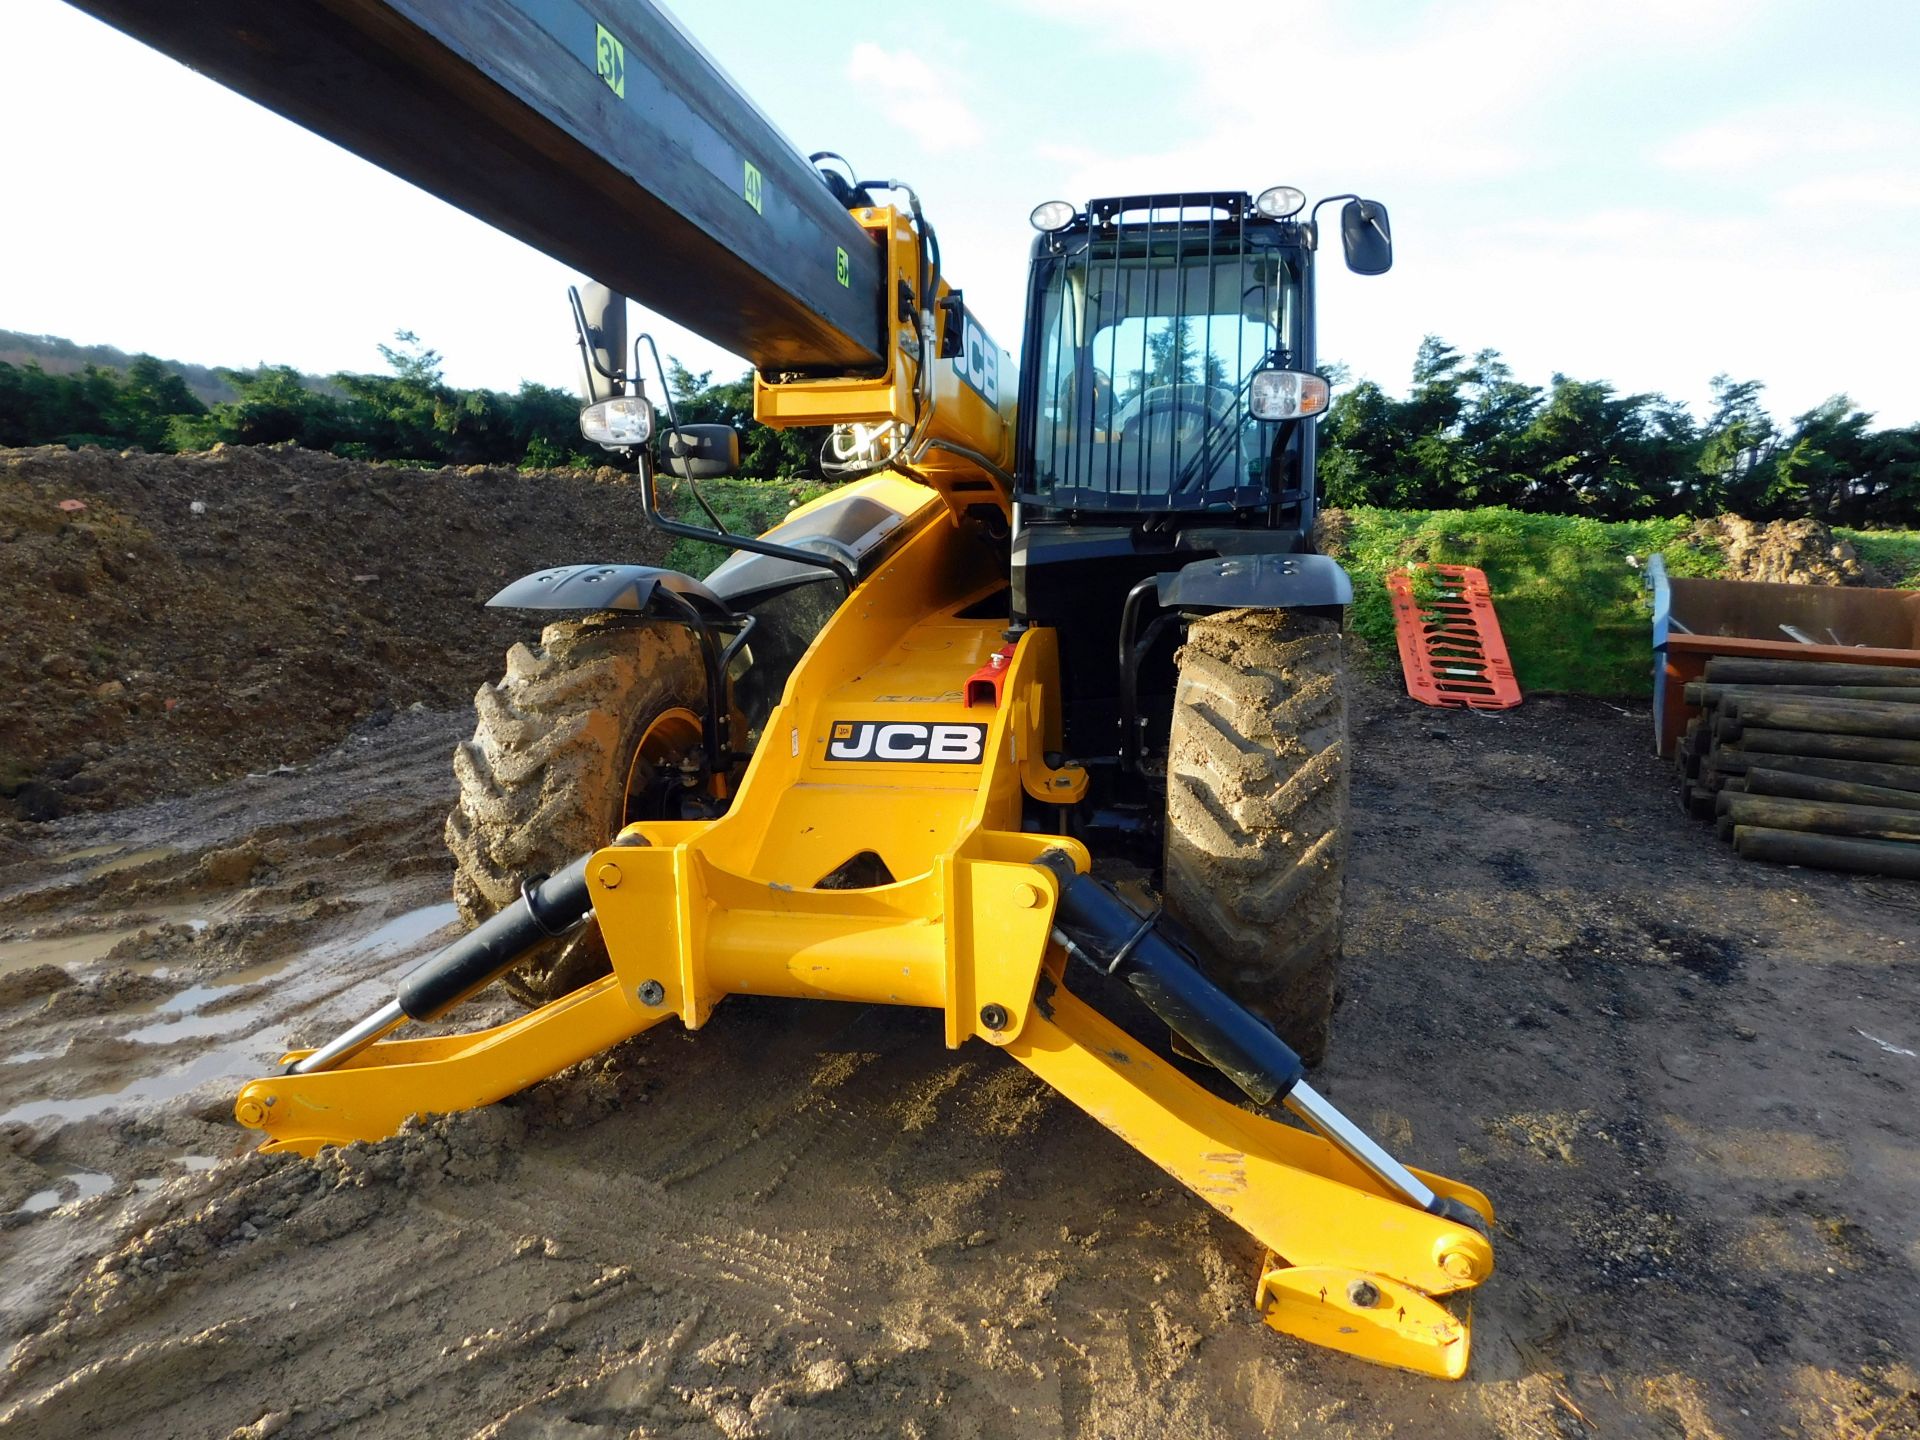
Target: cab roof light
[
  {"x": 1277, "y": 202},
  {"x": 1052, "y": 215}
]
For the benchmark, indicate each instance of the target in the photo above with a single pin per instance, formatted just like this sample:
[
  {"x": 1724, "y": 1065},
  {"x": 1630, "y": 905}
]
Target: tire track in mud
[{"x": 196, "y": 939}]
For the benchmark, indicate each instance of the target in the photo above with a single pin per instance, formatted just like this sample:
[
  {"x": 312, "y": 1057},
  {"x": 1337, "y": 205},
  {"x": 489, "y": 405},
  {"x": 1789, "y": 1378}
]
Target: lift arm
[{"x": 602, "y": 135}]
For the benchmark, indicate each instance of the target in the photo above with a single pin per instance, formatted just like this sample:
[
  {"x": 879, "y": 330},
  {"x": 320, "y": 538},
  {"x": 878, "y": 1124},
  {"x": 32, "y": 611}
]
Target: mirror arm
[
  {"x": 650, "y": 507},
  {"x": 587, "y": 355},
  {"x": 719, "y": 535},
  {"x": 673, "y": 428},
  {"x": 1313, "y": 217}
]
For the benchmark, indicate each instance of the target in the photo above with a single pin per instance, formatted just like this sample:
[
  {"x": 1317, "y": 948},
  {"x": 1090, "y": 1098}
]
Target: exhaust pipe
[{"x": 547, "y": 909}]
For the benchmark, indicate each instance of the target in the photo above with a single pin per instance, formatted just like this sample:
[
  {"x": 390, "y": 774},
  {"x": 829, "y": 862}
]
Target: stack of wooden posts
[{"x": 1807, "y": 762}]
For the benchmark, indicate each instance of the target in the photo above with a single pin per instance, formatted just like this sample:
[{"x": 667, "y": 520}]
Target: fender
[
  {"x": 630, "y": 588},
  {"x": 1256, "y": 582}
]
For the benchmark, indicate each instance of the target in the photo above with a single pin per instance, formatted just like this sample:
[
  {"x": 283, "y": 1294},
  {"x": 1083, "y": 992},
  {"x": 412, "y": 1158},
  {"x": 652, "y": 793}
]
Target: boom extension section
[
  {"x": 986, "y": 922},
  {"x": 603, "y": 136}
]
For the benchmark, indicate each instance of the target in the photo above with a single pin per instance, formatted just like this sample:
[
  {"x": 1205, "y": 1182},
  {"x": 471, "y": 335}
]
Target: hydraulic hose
[
  {"x": 547, "y": 908},
  {"x": 1098, "y": 928}
]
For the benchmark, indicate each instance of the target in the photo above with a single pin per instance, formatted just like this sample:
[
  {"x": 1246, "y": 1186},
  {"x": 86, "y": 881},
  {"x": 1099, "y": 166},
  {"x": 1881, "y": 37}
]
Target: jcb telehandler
[{"x": 877, "y": 755}]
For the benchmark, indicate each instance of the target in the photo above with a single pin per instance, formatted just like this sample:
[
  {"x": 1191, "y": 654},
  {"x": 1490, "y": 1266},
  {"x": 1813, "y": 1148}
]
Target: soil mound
[
  {"x": 1791, "y": 552},
  {"x": 176, "y": 620}
]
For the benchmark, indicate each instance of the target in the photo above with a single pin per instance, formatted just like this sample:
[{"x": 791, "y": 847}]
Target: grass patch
[
  {"x": 1892, "y": 557},
  {"x": 1576, "y": 614}
]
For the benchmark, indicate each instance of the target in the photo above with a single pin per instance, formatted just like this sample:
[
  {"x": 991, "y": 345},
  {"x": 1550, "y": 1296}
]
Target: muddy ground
[{"x": 1688, "y": 1083}]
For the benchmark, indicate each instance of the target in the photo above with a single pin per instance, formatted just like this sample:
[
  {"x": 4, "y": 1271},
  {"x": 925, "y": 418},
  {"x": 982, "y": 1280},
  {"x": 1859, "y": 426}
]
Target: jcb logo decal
[
  {"x": 978, "y": 362},
  {"x": 893, "y": 742}
]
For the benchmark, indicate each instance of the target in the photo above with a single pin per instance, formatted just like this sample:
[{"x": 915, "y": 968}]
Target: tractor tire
[
  {"x": 556, "y": 767},
  {"x": 1257, "y": 813}
]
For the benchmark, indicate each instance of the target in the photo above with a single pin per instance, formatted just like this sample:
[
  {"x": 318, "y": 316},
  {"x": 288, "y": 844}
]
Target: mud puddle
[
  {"x": 148, "y": 971},
  {"x": 234, "y": 1027},
  {"x": 76, "y": 948},
  {"x": 72, "y": 1187}
]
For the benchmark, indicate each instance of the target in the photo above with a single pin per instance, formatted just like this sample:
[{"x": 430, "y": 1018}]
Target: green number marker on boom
[{"x": 610, "y": 60}]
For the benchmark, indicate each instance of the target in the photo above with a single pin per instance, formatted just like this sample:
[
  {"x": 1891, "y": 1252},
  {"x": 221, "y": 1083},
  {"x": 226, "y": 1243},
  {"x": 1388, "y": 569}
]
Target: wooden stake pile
[{"x": 1808, "y": 763}]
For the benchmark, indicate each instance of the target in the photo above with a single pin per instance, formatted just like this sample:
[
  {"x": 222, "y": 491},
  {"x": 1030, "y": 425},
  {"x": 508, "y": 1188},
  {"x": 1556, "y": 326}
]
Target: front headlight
[
  {"x": 1285, "y": 395},
  {"x": 618, "y": 423}
]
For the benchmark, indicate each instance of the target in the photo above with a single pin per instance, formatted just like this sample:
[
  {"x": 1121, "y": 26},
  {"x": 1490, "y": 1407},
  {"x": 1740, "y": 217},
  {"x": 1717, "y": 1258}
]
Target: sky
[{"x": 1647, "y": 192}]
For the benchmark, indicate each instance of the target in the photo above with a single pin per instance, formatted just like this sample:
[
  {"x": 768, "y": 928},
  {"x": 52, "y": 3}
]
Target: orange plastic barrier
[{"x": 1451, "y": 648}]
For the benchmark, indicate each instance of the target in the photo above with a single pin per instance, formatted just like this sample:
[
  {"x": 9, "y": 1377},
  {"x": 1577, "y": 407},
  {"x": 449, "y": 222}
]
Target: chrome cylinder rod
[
  {"x": 351, "y": 1042},
  {"x": 1358, "y": 1146},
  {"x": 1095, "y": 926},
  {"x": 547, "y": 909}
]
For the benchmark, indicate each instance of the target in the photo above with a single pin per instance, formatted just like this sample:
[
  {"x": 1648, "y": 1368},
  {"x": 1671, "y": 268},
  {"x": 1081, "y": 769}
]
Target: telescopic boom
[{"x": 607, "y": 139}]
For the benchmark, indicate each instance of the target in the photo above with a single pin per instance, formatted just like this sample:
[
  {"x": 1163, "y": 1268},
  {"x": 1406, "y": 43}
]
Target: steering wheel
[{"x": 1195, "y": 413}]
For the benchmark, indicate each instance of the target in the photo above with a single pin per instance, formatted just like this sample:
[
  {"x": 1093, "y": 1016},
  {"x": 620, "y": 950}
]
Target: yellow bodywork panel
[
  {"x": 969, "y": 396},
  {"x": 371, "y": 1095},
  {"x": 874, "y": 756}
]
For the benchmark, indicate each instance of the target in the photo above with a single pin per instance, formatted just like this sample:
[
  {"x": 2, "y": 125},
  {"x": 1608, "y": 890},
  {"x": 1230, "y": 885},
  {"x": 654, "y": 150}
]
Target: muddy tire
[
  {"x": 1257, "y": 812},
  {"x": 548, "y": 773}
]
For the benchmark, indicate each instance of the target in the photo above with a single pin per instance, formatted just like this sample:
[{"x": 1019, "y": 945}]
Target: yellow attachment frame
[{"x": 705, "y": 909}]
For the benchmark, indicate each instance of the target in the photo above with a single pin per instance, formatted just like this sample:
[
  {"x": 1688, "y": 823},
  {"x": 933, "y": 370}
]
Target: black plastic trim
[
  {"x": 855, "y": 532},
  {"x": 1256, "y": 582},
  {"x": 603, "y": 587}
]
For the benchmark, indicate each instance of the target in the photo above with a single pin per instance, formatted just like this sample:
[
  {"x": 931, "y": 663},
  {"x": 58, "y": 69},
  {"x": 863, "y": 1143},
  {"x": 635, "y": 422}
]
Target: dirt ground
[
  {"x": 1687, "y": 1082},
  {"x": 174, "y": 621}
]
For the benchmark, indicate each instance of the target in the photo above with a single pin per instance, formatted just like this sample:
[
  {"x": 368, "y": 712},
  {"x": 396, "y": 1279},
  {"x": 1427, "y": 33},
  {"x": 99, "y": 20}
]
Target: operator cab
[
  {"x": 1168, "y": 364},
  {"x": 1149, "y": 320},
  {"x": 1167, "y": 408}
]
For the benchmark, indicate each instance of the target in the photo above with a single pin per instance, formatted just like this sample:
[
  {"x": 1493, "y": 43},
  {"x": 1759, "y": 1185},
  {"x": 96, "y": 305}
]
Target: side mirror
[
  {"x": 701, "y": 452},
  {"x": 601, "y": 313},
  {"x": 1366, "y": 237}
]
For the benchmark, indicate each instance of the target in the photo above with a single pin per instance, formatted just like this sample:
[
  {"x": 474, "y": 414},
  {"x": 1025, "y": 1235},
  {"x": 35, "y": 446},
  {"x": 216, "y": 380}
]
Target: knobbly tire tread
[
  {"x": 1257, "y": 812},
  {"x": 543, "y": 779}
]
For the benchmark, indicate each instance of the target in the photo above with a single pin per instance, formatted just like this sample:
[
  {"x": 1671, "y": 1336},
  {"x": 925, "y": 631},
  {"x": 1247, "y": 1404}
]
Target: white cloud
[
  {"x": 1788, "y": 134},
  {"x": 924, "y": 103},
  {"x": 1452, "y": 93},
  {"x": 1866, "y": 190},
  {"x": 1559, "y": 192}
]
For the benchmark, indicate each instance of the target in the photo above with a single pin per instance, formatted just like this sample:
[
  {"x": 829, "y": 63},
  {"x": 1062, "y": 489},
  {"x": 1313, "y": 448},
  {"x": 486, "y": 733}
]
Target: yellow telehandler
[{"x": 1057, "y": 622}]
